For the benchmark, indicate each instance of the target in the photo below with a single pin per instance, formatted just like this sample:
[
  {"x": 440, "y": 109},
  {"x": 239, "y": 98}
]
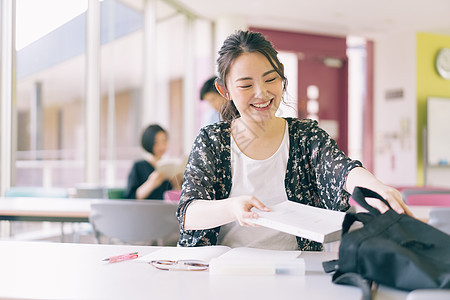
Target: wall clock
[{"x": 443, "y": 63}]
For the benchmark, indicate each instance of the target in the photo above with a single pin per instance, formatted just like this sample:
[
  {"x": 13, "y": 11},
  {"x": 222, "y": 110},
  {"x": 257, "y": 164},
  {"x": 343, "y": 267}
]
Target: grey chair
[
  {"x": 93, "y": 192},
  {"x": 440, "y": 218},
  {"x": 134, "y": 221}
]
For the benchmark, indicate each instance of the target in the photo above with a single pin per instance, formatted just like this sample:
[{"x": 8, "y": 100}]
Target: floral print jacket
[{"x": 315, "y": 174}]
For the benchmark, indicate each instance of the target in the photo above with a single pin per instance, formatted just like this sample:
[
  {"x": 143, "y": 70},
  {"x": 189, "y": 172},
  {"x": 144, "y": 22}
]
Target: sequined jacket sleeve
[
  {"x": 316, "y": 171},
  {"x": 207, "y": 177}
]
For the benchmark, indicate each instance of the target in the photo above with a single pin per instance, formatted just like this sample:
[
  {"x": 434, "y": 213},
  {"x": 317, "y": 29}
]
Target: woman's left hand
[
  {"x": 361, "y": 177},
  {"x": 393, "y": 197}
]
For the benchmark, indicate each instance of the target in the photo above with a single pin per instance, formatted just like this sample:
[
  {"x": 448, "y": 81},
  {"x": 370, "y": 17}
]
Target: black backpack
[{"x": 392, "y": 249}]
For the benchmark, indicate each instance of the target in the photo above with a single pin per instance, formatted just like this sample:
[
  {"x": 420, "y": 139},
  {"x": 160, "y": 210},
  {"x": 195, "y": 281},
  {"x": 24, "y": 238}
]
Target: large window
[
  {"x": 51, "y": 86},
  {"x": 50, "y": 44}
]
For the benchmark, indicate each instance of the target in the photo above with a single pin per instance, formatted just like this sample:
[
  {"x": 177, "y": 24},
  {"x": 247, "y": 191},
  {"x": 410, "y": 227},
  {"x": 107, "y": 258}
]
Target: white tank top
[{"x": 263, "y": 179}]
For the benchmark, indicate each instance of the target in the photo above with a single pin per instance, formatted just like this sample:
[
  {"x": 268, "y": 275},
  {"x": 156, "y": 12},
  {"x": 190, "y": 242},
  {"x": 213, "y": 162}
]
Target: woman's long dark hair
[
  {"x": 233, "y": 46},
  {"x": 148, "y": 137}
]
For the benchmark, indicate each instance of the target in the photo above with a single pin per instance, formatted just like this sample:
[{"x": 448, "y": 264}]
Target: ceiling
[
  {"x": 371, "y": 19},
  {"x": 365, "y": 18}
]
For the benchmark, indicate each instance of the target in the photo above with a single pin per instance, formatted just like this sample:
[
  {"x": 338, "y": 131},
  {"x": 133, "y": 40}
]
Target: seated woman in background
[{"x": 144, "y": 182}]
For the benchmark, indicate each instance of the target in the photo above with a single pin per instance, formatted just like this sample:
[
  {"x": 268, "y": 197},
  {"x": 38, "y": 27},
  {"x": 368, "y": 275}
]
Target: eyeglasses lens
[{"x": 180, "y": 265}]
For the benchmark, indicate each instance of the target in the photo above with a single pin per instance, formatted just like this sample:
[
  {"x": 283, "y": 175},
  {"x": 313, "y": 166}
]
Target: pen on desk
[{"x": 122, "y": 257}]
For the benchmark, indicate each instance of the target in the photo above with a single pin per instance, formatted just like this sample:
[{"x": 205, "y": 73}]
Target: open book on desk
[
  {"x": 234, "y": 261},
  {"x": 317, "y": 224}
]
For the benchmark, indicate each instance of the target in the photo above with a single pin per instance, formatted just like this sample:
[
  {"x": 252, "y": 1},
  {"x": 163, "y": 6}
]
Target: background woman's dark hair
[
  {"x": 233, "y": 46},
  {"x": 148, "y": 137}
]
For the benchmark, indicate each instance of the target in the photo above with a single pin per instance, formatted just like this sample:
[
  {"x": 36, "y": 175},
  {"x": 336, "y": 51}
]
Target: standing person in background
[
  {"x": 144, "y": 182},
  {"x": 254, "y": 157},
  {"x": 209, "y": 93}
]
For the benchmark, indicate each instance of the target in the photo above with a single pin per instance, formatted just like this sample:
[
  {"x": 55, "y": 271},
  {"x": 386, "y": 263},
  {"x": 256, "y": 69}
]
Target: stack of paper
[
  {"x": 224, "y": 260},
  {"x": 171, "y": 167},
  {"x": 317, "y": 224}
]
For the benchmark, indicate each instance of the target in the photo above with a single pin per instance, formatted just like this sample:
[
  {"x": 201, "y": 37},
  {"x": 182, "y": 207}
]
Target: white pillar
[
  {"x": 189, "y": 88},
  {"x": 36, "y": 121},
  {"x": 92, "y": 100},
  {"x": 7, "y": 99},
  {"x": 356, "y": 52},
  {"x": 149, "y": 103},
  {"x": 226, "y": 25},
  {"x": 110, "y": 168}
]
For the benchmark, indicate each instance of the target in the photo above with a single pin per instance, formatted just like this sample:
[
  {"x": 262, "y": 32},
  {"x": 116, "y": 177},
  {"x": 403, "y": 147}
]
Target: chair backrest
[
  {"x": 440, "y": 218},
  {"x": 91, "y": 192},
  {"x": 133, "y": 221},
  {"x": 402, "y": 188},
  {"x": 429, "y": 199},
  {"x": 407, "y": 191},
  {"x": 116, "y": 193},
  {"x": 30, "y": 191}
]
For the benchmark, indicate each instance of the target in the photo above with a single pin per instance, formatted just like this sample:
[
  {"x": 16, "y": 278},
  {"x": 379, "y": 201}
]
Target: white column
[
  {"x": 189, "y": 88},
  {"x": 148, "y": 99},
  {"x": 110, "y": 170},
  {"x": 7, "y": 99},
  {"x": 226, "y": 25},
  {"x": 36, "y": 121},
  {"x": 92, "y": 101},
  {"x": 356, "y": 52}
]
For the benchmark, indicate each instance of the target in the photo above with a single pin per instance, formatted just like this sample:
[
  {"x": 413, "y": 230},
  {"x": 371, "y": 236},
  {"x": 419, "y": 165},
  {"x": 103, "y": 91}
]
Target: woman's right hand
[
  {"x": 156, "y": 179},
  {"x": 205, "y": 214},
  {"x": 241, "y": 207}
]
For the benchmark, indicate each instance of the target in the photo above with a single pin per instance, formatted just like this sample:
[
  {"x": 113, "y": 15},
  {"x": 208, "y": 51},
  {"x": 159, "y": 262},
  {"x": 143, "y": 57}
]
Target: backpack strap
[
  {"x": 350, "y": 218},
  {"x": 354, "y": 279},
  {"x": 359, "y": 195},
  {"x": 350, "y": 278}
]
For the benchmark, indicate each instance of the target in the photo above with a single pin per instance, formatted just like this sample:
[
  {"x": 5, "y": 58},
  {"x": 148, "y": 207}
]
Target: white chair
[
  {"x": 440, "y": 218},
  {"x": 134, "y": 221}
]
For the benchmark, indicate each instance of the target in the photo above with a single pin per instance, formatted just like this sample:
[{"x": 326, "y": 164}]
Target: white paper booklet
[
  {"x": 171, "y": 167},
  {"x": 317, "y": 224},
  {"x": 234, "y": 261},
  {"x": 185, "y": 253}
]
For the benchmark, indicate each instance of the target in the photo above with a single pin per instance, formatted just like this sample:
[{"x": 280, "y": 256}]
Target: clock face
[{"x": 443, "y": 63}]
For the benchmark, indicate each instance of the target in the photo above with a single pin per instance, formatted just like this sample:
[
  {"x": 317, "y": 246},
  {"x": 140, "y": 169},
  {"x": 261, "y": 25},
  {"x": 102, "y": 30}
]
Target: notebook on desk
[{"x": 224, "y": 260}]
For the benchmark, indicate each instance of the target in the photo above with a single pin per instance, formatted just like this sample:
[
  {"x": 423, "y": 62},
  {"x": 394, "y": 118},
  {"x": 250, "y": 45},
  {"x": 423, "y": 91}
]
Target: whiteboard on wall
[{"x": 438, "y": 131}]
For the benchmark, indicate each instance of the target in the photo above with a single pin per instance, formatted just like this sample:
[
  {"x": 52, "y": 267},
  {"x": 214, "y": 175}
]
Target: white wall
[
  {"x": 170, "y": 64},
  {"x": 226, "y": 25},
  {"x": 395, "y": 156}
]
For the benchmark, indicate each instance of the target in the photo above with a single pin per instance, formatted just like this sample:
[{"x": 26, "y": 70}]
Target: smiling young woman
[{"x": 255, "y": 159}]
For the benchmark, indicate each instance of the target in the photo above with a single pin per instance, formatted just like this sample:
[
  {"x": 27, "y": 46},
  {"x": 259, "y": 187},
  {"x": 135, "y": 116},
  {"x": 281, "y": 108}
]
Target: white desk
[
  {"x": 37, "y": 270},
  {"x": 45, "y": 209}
]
